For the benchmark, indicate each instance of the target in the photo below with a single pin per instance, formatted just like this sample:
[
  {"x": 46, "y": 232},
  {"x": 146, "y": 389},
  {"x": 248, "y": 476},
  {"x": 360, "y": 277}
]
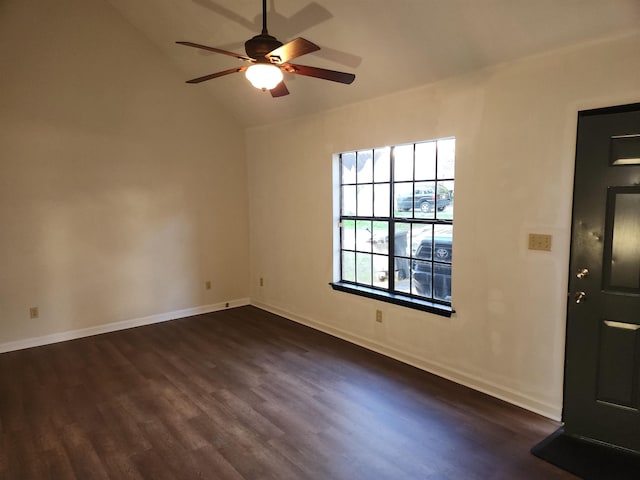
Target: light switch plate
[{"x": 540, "y": 241}]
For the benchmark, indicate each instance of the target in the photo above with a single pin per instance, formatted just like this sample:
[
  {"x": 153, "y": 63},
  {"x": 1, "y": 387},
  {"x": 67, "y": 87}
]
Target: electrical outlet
[
  {"x": 261, "y": 282},
  {"x": 34, "y": 312},
  {"x": 207, "y": 285},
  {"x": 379, "y": 316},
  {"x": 540, "y": 241}
]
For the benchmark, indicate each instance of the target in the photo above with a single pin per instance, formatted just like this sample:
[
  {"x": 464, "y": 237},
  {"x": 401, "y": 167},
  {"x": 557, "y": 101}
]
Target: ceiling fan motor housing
[{"x": 258, "y": 46}]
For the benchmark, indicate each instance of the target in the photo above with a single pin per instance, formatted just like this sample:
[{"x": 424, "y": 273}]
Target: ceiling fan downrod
[
  {"x": 264, "y": 18},
  {"x": 258, "y": 46}
]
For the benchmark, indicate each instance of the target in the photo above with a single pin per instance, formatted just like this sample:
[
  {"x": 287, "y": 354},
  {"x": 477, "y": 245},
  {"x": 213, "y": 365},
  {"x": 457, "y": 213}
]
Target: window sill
[{"x": 397, "y": 299}]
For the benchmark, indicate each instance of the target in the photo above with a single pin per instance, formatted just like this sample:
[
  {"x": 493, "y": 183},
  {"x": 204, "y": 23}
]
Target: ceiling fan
[{"x": 269, "y": 58}]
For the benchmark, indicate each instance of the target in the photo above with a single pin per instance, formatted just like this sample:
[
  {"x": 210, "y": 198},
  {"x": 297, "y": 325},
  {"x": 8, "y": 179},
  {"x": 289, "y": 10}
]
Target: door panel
[
  {"x": 622, "y": 248},
  {"x": 602, "y": 368},
  {"x": 624, "y": 150},
  {"x": 616, "y": 359}
]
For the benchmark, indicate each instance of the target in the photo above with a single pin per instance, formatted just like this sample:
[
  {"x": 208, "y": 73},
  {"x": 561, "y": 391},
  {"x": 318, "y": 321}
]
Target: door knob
[
  {"x": 583, "y": 272},
  {"x": 579, "y": 296}
]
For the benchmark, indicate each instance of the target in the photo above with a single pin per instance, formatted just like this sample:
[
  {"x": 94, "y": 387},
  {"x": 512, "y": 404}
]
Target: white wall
[
  {"x": 122, "y": 190},
  {"x": 515, "y": 129}
]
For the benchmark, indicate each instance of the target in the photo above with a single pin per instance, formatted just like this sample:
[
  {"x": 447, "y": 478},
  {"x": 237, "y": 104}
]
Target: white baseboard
[
  {"x": 507, "y": 394},
  {"x": 122, "y": 325}
]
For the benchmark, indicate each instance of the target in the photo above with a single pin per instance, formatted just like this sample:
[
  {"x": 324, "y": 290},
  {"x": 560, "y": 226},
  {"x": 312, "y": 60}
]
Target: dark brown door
[{"x": 602, "y": 369}]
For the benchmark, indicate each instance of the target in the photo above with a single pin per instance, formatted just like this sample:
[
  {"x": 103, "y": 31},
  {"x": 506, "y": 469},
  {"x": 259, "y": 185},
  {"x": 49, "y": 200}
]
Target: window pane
[
  {"x": 381, "y": 237},
  {"x": 365, "y": 166},
  {"x": 403, "y": 162},
  {"x": 446, "y": 157},
  {"x": 421, "y": 236},
  {"x": 426, "y": 161},
  {"x": 349, "y": 266},
  {"x": 403, "y": 274},
  {"x": 348, "y": 161},
  {"x": 363, "y": 235},
  {"x": 401, "y": 239},
  {"x": 401, "y": 249},
  {"x": 424, "y": 250},
  {"x": 444, "y": 202},
  {"x": 424, "y": 200},
  {"x": 421, "y": 278},
  {"x": 442, "y": 282},
  {"x": 443, "y": 239},
  {"x": 349, "y": 234},
  {"x": 363, "y": 268},
  {"x": 403, "y": 200},
  {"x": 365, "y": 200},
  {"x": 349, "y": 200},
  {"x": 381, "y": 200},
  {"x": 382, "y": 165},
  {"x": 381, "y": 271}
]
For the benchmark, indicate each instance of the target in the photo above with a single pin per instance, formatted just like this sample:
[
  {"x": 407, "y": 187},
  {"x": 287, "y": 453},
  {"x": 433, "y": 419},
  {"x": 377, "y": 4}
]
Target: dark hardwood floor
[{"x": 244, "y": 394}]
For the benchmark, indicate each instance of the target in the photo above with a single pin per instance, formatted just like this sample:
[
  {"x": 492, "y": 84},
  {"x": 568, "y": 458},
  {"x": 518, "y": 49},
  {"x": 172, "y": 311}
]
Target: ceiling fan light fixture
[{"x": 264, "y": 76}]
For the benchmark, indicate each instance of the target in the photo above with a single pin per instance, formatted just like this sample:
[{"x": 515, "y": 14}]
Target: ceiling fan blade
[
  {"x": 290, "y": 50},
  {"x": 334, "y": 76},
  {"x": 280, "y": 90},
  {"x": 216, "y": 50},
  {"x": 216, "y": 75}
]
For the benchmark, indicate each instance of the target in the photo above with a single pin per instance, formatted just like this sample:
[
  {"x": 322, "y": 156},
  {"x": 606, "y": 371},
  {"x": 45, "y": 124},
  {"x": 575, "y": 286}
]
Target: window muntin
[{"x": 396, "y": 215}]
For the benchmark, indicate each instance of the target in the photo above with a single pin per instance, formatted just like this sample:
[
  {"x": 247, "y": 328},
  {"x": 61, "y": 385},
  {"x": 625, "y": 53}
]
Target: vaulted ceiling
[{"x": 389, "y": 45}]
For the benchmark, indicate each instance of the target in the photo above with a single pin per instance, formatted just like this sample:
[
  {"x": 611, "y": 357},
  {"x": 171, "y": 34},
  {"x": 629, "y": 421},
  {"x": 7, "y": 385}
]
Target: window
[{"x": 395, "y": 224}]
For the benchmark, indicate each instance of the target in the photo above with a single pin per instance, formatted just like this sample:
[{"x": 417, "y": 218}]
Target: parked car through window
[{"x": 425, "y": 198}]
